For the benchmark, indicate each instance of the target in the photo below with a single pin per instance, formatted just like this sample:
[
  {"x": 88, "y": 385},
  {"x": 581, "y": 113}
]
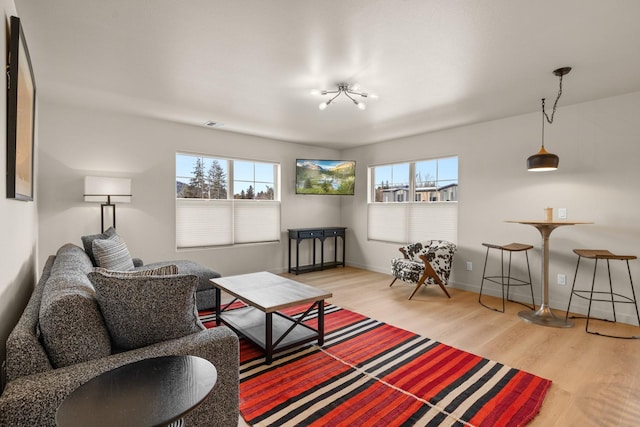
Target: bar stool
[
  {"x": 591, "y": 295},
  {"x": 510, "y": 281}
]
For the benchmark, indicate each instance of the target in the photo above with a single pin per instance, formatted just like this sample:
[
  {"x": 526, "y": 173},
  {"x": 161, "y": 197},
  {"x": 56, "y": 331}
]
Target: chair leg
[
  {"x": 484, "y": 270},
  {"x": 593, "y": 284},
  {"x": 613, "y": 305},
  {"x": 421, "y": 283},
  {"x": 394, "y": 281},
  {"x": 430, "y": 272},
  {"x": 415, "y": 290},
  {"x": 573, "y": 286},
  {"x": 633, "y": 293},
  {"x": 444, "y": 290},
  {"x": 508, "y": 276}
]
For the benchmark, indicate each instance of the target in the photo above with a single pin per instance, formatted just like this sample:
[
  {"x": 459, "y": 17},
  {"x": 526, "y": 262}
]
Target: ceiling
[{"x": 251, "y": 65}]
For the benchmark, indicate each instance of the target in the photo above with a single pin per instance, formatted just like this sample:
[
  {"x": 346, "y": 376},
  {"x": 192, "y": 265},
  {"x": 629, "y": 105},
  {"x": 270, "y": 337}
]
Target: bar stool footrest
[
  {"x": 624, "y": 299},
  {"x": 507, "y": 280}
]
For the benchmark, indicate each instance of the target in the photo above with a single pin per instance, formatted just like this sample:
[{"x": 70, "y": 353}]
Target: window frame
[
  {"x": 409, "y": 220},
  {"x": 194, "y": 214},
  {"x": 408, "y": 194}
]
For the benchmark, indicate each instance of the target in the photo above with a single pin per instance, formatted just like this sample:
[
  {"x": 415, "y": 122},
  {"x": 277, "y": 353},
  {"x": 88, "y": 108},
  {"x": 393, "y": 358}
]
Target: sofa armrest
[{"x": 33, "y": 399}]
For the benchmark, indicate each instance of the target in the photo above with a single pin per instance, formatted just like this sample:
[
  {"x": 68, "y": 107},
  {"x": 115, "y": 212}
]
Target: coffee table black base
[{"x": 273, "y": 332}]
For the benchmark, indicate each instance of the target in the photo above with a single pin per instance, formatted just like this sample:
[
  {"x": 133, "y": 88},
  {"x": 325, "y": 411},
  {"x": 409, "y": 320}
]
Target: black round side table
[{"x": 150, "y": 392}]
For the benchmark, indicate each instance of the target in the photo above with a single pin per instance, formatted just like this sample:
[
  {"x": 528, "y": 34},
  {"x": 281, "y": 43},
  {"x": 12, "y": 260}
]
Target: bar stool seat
[
  {"x": 506, "y": 280},
  {"x": 599, "y": 296}
]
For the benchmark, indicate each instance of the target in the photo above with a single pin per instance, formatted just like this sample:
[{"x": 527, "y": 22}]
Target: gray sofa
[{"x": 43, "y": 370}]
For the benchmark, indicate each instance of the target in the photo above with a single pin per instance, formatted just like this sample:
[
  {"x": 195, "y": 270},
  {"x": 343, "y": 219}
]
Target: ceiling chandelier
[
  {"x": 348, "y": 91},
  {"x": 544, "y": 161}
]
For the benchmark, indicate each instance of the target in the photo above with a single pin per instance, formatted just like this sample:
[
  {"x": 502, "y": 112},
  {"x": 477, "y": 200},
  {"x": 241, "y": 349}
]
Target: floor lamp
[{"x": 107, "y": 191}]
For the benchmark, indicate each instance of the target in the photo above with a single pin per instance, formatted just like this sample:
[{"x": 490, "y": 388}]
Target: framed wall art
[{"x": 21, "y": 100}]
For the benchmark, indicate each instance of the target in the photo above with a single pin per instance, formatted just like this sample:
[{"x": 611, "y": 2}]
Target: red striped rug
[{"x": 370, "y": 373}]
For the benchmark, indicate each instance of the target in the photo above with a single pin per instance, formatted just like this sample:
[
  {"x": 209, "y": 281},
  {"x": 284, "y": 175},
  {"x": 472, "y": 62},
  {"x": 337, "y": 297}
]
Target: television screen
[{"x": 325, "y": 177}]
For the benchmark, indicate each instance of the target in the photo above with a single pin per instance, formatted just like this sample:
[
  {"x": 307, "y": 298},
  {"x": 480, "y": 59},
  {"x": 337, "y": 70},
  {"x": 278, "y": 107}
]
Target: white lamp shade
[{"x": 98, "y": 188}]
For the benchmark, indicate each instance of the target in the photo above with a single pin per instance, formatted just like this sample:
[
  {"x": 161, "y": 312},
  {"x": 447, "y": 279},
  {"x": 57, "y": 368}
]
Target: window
[
  {"x": 225, "y": 201},
  {"x": 404, "y": 209},
  {"x": 391, "y": 182}
]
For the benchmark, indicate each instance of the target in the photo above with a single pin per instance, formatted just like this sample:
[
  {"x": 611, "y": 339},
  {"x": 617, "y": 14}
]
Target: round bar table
[
  {"x": 544, "y": 316},
  {"x": 150, "y": 392}
]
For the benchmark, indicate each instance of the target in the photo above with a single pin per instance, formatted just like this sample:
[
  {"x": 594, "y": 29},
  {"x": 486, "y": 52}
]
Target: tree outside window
[{"x": 199, "y": 177}]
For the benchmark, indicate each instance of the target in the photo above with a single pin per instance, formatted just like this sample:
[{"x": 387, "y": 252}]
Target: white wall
[
  {"x": 76, "y": 142},
  {"x": 598, "y": 145},
  {"x": 596, "y": 142},
  {"x": 18, "y": 227}
]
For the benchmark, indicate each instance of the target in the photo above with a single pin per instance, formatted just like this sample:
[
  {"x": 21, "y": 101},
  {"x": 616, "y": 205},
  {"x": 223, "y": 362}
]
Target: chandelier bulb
[
  {"x": 323, "y": 105},
  {"x": 361, "y": 105}
]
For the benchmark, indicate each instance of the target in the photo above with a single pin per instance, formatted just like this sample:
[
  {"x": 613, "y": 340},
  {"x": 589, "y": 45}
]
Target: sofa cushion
[
  {"x": 205, "y": 295},
  {"x": 112, "y": 254},
  {"x": 72, "y": 328},
  {"x": 140, "y": 311},
  {"x": 87, "y": 242}
]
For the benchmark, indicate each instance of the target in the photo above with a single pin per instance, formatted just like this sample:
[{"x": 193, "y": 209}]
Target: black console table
[{"x": 319, "y": 233}]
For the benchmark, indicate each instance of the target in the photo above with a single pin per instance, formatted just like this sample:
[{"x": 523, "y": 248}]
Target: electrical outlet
[
  {"x": 469, "y": 266},
  {"x": 562, "y": 279},
  {"x": 562, "y": 213}
]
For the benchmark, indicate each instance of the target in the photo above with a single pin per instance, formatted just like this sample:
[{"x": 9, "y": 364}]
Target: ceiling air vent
[{"x": 213, "y": 124}]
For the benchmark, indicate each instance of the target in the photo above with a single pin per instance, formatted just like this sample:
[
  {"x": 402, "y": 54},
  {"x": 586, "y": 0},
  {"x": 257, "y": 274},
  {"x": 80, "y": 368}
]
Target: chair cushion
[
  {"x": 407, "y": 270},
  {"x": 143, "y": 310},
  {"x": 73, "y": 330},
  {"x": 439, "y": 253},
  {"x": 87, "y": 242},
  {"x": 412, "y": 251},
  {"x": 112, "y": 254}
]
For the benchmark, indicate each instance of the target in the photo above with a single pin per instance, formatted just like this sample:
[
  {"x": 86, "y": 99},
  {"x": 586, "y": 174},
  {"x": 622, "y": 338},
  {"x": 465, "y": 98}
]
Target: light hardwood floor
[{"x": 596, "y": 380}]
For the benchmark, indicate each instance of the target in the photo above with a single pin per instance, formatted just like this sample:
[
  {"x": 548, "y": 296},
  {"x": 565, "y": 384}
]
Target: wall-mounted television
[{"x": 325, "y": 177}]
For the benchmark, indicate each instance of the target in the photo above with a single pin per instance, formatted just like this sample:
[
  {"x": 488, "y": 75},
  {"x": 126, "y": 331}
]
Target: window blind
[
  {"x": 387, "y": 222},
  {"x": 202, "y": 222},
  {"x": 256, "y": 221},
  {"x": 412, "y": 222},
  {"x": 214, "y": 222}
]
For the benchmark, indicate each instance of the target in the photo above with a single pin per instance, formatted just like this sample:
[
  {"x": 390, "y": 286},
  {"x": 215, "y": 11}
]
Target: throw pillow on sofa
[
  {"x": 164, "y": 270},
  {"x": 144, "y": 310},
  {"x": 112, "y": 254},
  {"x": 87, "y": 242}
]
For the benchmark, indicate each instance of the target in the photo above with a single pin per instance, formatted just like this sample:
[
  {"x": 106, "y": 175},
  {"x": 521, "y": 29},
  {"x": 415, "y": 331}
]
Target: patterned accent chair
[{"x": 424, "y": 263}]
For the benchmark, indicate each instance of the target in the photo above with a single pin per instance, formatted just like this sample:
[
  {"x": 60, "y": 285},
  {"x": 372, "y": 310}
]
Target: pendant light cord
[
  {"x": 555, "y": 104},
  {"x": 543, "y": 116},
  {"x": 553, "y": 113}
]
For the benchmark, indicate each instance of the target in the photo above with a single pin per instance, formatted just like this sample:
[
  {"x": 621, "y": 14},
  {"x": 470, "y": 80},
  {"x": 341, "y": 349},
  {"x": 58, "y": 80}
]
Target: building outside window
[{"x": 414, "y": 201}]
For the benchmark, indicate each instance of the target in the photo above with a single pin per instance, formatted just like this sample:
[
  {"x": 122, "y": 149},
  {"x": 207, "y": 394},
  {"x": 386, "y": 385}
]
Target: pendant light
[{"x": 544, "y": 161}]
